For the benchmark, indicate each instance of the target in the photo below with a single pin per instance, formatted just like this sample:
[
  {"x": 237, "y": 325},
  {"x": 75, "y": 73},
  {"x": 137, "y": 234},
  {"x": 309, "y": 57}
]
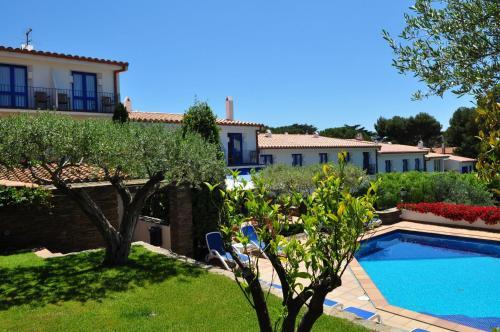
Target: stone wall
[{"x": 62, "y": 228}]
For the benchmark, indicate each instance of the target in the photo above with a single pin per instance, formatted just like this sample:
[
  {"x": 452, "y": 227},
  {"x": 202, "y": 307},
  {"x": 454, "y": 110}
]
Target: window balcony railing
[{"x": 36, "y": 98}]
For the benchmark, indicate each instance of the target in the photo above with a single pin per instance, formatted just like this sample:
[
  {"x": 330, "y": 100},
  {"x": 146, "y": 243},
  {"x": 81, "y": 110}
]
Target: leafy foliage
[
  {"x": 448, "y": 187},
  {"x": 293, "y": 129},
  {"x": 462, "y": 132},
  {"x": 488, "y": 164},
  {"x": 120, "y": 113},
  {"x": 348, "y": 131},
  {"x": 200, "y": 119},
  {"x": 333, "y": 222},
  {"x": 283, "y": 179},
  {"x": 451, "y": 45},
  {"x": 24, "y": 197},
  {"x": 410, "y": 130}
]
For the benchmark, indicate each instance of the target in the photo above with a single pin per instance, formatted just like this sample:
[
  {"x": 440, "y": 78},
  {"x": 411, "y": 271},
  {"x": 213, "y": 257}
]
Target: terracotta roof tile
[
  {"x": 63, "y": 56},
  {"x": 432, "y": 155},
  {"x": 76, "y": 174},
  {"x": 290, "y": 141},
  {"x": 177, "y": 118},
  {"x": 460, "y": 158},
  {"x": 401, "y": 148}
]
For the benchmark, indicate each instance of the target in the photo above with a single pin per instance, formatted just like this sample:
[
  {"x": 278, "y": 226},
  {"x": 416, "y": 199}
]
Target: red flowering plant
[{"x": 470, "y": 213}]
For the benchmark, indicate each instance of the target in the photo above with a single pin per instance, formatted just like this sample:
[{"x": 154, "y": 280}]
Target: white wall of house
[
  {"x": 311, "y": 156},
  {"x": 249, "y": 135},
  {"x": 397, "y": 161},
  {"x": 435, "y": 165},
  {"x": 49, "y": 72},
  {"x": 455, "y": 165}
]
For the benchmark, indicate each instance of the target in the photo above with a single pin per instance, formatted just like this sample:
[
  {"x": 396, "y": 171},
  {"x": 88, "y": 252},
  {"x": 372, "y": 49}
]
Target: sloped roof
[
  {"x": 75, "y": 174},
  {"x": 460, "y": 158},
  {"x": 401, "y": 148},
  {"x": 432, "y": 155},
  {"x": 177, "y": 118},
  {"x": 63, "y": 56},
  {"x": 447, "y": 149},
  {"x": 291, "y": 141}
]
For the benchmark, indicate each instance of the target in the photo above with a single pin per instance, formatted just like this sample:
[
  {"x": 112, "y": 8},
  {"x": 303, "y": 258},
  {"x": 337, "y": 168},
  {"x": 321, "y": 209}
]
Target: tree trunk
[
  {"x": 260, "y": 304},
  {"x": 293, "y": 310},
  {"x": 316, "y": 304}
]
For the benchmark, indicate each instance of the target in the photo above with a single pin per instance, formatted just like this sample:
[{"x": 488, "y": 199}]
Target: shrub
[
  {"x": 285, "y": 179},
  {"x": 24, "y": 197},
  {"x": 200, "y": 119},
  {"x": 490, "y": 214},
  {"x": 120, "y": 113},
  {"x": 448, "y": 187}
]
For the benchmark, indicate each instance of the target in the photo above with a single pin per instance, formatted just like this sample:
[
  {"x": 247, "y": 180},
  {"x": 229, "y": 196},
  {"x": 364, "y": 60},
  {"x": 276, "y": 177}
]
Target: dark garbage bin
[{"x": 155, "y": 237}]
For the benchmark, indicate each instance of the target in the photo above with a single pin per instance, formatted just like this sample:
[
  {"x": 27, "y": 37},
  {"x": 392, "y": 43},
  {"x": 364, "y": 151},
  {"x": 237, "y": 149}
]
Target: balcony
[{"x": 70, "y": 100}]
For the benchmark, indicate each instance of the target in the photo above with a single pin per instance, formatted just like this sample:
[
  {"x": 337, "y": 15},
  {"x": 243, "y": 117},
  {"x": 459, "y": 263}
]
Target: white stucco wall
[
  {"x": 430, "y": 165},
  {"x": 48, "y": 72},
  {"x": 311, "y": 156},
  {"x": 397, "y": 161},
  {"x": 455, "y": 165}
]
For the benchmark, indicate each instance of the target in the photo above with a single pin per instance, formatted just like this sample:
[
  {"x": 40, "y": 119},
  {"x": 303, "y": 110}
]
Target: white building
[
  {"x": 459, "y": 164},
  {"x": 238, "y": 138},
  {"x": 37, "y": 80},
  {"x": 401, "y": 158},
  {"x": 302, "y": 150}
]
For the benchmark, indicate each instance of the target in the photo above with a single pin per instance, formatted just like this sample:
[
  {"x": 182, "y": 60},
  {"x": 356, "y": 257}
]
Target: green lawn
[{"x": 153, "y": 293}]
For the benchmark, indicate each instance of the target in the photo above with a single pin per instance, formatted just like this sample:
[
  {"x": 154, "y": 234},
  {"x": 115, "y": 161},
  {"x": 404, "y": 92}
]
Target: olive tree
[
  {"x": 116, "y": 152},
  {"x": 308, "y": 269}
]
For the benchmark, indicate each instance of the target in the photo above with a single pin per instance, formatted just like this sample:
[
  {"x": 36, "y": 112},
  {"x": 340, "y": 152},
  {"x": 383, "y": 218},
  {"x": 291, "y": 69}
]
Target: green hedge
[
  {"x": 24, "y": 197},
  {"x": 450, "y": 187},
  {"x": 285, "y": 179}
]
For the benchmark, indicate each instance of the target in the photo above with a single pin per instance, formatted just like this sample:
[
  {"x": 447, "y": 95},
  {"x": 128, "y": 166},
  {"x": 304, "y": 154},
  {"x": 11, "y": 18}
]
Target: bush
[
  {"x": 490, "y": 214},
  {"x": 448, "y": 187},
  {"x": 24, "y": 197},
  {"x": 285, "y": 179}
]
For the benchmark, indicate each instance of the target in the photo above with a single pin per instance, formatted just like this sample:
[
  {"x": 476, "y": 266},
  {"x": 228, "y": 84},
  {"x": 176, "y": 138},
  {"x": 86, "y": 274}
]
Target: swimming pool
[{"x": 452, "y": 278}]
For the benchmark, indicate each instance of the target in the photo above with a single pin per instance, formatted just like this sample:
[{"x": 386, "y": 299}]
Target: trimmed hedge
[
  {"x": 490, "y": 214},
  {"x": 449, "y": 187}
]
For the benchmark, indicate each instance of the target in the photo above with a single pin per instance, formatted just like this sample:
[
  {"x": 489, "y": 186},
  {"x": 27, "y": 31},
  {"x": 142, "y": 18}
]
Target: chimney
[
  {"x": 359, "y": 137},
  {"x": 315, "y": 134},
  {"x": 268, "y": 133},
  {"x": 420, "y": 144},
  {"x": 229, "y": 109},
  {"x": 127, "y": 102}
]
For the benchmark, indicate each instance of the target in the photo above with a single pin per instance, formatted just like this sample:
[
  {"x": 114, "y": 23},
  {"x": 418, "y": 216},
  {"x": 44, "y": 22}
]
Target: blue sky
[{"x": 322, "y": 62}]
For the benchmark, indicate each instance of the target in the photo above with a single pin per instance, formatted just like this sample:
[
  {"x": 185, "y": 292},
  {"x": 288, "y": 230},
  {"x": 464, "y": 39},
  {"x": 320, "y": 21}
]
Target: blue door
[
  {"x": 84, "y": 92},
  {"x": 235, "y": 149},
  {"x": 13, "y": 86}
]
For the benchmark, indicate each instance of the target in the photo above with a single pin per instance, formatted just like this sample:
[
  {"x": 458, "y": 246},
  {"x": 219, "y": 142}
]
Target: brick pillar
[{"x": 181, "y": 220}]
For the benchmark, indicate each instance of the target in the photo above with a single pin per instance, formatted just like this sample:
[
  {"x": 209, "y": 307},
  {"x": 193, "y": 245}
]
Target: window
[
  {"x": 323, "y": 158},
  {"x": 297, "y": 159},
  {"x": 347, "y": 157},
  {"x": 13, "y": 86},
  {"x": 84, "y": 92},
  {"x": 405, "y": 165},
  {"x": 437, "y": 165},
  {"x": 388, "y": 166},
  {"x": 465, "y": 169},
  {"x": 417, "y": 164},
  {"x": 267, "y": 159},
  {"x": 235, "y": 148}
]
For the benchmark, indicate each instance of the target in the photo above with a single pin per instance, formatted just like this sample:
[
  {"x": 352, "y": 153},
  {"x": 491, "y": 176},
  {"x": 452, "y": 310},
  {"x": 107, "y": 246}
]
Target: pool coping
[{"x": 378, "y": 299}]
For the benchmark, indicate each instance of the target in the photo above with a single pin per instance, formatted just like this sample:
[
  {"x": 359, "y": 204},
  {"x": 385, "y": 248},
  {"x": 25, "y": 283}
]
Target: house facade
[
  {"x": 303, "y": 150},
  {"x": 401, "y": 158},
  {"x": 238, "y": 138},
  {"x": 37, "y": 80},
  {"x": 459, "y": 164}
]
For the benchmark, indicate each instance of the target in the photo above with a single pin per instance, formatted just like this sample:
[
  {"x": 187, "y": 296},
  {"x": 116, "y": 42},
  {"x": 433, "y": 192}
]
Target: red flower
[{"x": 471, "y": 213}]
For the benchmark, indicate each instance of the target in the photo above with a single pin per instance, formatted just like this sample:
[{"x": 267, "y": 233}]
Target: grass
[{"x": 153, "y": 292}]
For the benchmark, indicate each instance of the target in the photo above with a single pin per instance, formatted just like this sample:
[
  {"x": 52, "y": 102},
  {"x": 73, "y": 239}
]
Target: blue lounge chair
[
  {"x": 419, "y": 330},
  {"x": 216, "y": 251},
  {"x": 332, "y": 304},
  {"x": 249, "y": 232},
  {"x": 364, "y": 314}
]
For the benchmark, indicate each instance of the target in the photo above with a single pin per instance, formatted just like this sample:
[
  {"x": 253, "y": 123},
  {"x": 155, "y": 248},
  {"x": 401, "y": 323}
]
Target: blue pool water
[{"x": 448, "y": 277}]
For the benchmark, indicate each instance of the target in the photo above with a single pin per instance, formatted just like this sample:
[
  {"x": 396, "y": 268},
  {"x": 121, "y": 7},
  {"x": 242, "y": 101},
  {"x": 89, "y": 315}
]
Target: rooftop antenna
[{"x": 27, "y": 45}]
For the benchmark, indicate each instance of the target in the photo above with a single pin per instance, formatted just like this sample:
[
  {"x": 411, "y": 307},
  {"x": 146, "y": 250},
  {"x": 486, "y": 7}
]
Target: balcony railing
[{"x": 37, "y": 98}]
